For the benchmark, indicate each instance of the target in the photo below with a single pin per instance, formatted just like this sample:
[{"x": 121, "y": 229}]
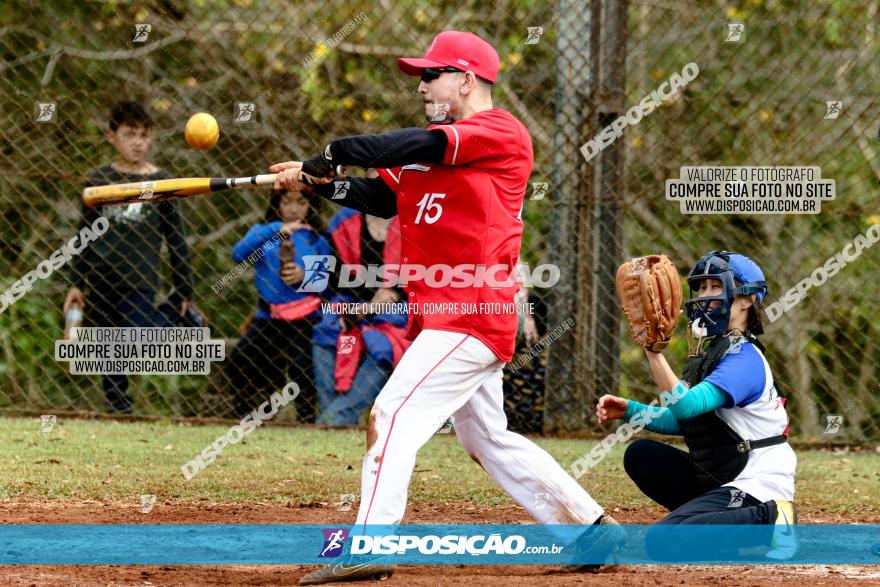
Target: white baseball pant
[{"x": 450, "y": 373}]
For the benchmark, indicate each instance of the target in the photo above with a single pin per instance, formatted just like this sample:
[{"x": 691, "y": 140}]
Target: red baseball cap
[{"x": 465, "y": 51}]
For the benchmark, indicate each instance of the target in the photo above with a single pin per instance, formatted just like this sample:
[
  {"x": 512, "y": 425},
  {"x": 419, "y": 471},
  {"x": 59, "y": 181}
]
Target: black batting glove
[{"x": 318, "y": 170}]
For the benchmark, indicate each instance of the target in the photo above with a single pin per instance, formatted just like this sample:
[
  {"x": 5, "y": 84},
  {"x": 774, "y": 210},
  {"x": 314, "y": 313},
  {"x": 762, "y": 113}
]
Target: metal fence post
[
  {"x": 564, "y": 408},
  {"x": 604, "y": 223}
]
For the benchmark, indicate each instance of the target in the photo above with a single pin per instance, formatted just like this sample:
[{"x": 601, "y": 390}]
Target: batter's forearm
[
  {"x": 390, "y": 149},
  {"x": 368, "y": 195}
]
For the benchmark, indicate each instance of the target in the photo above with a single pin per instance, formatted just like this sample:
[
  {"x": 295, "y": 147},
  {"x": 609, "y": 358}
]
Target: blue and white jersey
[{"x": 755, "y": 410}]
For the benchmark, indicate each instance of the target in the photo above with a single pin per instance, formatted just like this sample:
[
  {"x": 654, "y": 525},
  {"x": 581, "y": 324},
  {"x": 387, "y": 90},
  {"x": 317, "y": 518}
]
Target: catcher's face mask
[{"x": 700, "y": 311}]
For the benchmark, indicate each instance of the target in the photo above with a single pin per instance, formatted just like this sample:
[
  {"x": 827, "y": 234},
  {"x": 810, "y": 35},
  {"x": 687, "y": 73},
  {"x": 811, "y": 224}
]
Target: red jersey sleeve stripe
[
  {"x": 389, "y": 176},
  {"x": 457, "y": 141},
  {"x": 453, "y": 142}
]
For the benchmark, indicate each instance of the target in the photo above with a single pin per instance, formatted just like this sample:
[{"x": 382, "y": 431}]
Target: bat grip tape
[{"x": 218, "y": 183}]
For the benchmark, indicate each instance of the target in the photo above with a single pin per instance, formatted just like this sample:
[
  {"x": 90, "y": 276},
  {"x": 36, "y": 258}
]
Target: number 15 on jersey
[{"x": 430, "y": 209}]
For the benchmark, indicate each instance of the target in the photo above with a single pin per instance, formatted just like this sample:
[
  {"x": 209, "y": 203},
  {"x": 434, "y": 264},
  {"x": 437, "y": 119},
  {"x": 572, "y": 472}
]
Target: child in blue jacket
[{"x": 276, "y": 348}]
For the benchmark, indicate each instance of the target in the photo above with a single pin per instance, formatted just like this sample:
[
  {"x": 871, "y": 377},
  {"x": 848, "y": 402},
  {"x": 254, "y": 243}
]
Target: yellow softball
[{"x": 202, "y": 131}]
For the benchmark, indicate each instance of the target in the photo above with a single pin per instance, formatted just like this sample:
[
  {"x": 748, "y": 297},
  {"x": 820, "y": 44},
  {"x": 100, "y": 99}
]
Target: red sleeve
[
  {"x": 488, "y": 135},
  {"x": 391, "y": 177}
]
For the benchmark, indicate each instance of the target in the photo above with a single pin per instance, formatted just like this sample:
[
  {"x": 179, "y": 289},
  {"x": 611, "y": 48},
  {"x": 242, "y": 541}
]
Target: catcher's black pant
[{"x": 666, "y": 475}]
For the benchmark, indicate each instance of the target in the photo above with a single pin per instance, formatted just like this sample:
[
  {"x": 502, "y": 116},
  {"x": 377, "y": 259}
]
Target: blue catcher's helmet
[{"x": 728, "y": 268}]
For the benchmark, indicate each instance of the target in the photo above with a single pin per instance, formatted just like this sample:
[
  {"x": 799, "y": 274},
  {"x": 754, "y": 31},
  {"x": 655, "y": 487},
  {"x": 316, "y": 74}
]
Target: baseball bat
[{"x": 171, "y": 189}]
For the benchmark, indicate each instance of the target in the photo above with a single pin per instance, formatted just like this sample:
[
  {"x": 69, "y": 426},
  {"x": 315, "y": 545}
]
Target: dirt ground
[{"x": 80, "y": 512}]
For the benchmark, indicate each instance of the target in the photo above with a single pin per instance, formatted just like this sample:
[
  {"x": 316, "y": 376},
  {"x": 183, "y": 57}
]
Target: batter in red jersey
[{"x": 458, "y": 187}]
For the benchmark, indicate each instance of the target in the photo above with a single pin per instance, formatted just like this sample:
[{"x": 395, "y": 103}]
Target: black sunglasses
[{"x": 429, "y": 74}]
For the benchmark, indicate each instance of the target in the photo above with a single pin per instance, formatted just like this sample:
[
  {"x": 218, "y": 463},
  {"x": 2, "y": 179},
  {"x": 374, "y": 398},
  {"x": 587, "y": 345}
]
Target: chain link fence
[
  {"x": 284, "y": 80},
  {"x": 768, "y": 94}
]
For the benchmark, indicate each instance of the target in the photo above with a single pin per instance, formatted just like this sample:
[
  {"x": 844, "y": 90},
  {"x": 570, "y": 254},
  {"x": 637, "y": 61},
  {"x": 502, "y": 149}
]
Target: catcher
[{"x": 740, "y": 468}]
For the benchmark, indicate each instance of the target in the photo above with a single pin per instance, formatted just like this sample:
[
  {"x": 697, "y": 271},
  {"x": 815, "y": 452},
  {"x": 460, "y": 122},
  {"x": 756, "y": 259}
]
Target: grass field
[
  {"x": 95, "y": 472},
  {"x": 82, "y": 459}
]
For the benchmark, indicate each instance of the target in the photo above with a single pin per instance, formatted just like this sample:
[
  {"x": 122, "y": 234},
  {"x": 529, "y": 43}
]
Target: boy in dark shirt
[{"x": 120, "y": 271}]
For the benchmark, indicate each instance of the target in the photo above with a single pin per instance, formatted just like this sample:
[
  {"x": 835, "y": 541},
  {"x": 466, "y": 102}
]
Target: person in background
[
  {"x": 354, "y": 354},
  {"x": 523, "y": 379},
  {"x": 119, "y": 272},
  {"x": 276, "y": 346}
]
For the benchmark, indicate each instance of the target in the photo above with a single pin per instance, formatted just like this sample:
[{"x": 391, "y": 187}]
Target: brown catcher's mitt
[{"x": 650, "y": 294}]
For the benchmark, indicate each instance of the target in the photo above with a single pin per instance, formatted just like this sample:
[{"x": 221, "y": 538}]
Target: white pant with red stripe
[{"x": 449, "y": 373}]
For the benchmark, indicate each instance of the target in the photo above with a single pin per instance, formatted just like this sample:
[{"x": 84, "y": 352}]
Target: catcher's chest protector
[{"x": 714, "y": 446}]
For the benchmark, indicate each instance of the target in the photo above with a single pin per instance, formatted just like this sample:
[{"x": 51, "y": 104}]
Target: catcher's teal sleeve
[
  {"x": 659, "y": 420},
  {"x": 699, "y": 399}
]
